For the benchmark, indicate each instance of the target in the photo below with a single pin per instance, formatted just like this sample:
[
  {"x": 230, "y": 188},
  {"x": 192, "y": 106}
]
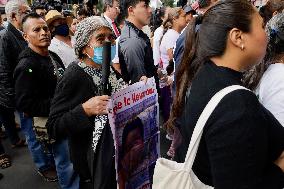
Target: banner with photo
[{"x": 134, "y": 120}]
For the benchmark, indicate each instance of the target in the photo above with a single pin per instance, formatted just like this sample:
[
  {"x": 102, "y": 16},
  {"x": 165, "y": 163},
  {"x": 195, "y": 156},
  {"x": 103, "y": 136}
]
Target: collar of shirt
[
  {"x": 57, "y": 42},
  {"x": 139, "y": 32},
  {"x": 18, "y": 33},
  {"x": 108, "y": 19}
]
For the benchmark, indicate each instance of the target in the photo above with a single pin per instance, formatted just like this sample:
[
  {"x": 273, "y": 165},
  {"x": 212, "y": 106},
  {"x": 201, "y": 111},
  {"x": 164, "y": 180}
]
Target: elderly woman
[{"x": 79, "y": 105}]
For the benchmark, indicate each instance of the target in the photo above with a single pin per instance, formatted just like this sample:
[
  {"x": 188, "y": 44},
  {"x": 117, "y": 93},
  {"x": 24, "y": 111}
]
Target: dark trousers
[
  {"x": 166, "y": 101},
  {"x": 8, "y": 119}
]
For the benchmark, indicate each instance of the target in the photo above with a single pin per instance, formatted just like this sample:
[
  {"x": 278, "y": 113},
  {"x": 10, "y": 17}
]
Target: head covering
[
  {"x": 275, "y": 27},
  {"x": 52, "y": 15},
  {"x": 187, "y": 9},
  {"x": 85, "y": 30}
]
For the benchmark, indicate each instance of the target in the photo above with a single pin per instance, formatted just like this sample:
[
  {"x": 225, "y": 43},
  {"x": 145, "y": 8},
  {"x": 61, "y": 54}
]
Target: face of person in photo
[
  {"x": 142, "y": 13},
  {"x": 134, "y": 150},
  {"x": 113, "y": 10},
  {"x": 36, "y": 33}
]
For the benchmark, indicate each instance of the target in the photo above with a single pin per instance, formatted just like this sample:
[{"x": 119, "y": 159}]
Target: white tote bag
[{"x": 172, "y": 175}]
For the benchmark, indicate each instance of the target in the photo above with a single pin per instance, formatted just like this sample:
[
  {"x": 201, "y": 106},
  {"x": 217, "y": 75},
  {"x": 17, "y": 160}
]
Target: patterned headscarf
[
  {"x": 85, "y": 30},
  {"x": 275, "y": 27}
]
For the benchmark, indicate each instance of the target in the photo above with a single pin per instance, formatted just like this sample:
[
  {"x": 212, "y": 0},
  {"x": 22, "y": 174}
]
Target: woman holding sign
[{"x": 79, "y": 106}]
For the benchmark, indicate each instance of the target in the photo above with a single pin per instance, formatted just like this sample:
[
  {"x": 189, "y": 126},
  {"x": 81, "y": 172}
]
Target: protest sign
[{"x": 134, "y": 120}]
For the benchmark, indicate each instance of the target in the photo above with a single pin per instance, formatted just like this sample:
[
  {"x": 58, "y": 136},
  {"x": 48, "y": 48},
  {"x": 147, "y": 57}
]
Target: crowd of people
[{"x": 51, "y": 78}]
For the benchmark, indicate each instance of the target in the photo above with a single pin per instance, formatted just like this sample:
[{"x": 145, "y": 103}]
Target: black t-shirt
[{"x": 241, "y": 139}]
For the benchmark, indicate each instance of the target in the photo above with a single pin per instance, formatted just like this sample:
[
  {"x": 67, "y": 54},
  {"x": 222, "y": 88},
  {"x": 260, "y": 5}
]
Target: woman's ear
[{"x": 236, "y": 38}]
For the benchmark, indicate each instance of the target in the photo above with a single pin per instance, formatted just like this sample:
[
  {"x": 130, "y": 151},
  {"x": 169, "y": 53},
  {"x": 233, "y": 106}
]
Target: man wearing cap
[
  {"x": 189, "y": 12},
  {"x": 61, "y": 41}
]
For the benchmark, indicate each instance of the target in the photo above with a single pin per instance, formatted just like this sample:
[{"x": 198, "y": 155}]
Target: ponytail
[
  {"x": 168, "y": 23},
  {"x": 206, "y": 37},
  {"x": 190, "y": 64}
]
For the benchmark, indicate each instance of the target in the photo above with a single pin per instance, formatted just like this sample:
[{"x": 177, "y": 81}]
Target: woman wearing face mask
[
  {"x": 61, "y": 42},
  {"x": 79, "y": 101}
]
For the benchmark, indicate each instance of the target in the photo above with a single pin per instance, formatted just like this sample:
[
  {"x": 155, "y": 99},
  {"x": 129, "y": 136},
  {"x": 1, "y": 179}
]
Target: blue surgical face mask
[{"x": 98, "y": 54}]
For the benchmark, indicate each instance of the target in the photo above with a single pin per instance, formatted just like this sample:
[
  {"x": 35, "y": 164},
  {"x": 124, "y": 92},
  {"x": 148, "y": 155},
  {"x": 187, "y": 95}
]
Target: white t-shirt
[
  {"x": 168, "y": 42},
  {"x": 271, "y": 91},
  {"x": 64, "y": 51},
  {"x": 156, "y": 44}
]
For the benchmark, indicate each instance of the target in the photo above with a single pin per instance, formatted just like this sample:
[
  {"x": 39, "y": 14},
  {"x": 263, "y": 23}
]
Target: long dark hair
[
  {"x": 206, "y": 38},
  {"x": 274, "y": 51}
]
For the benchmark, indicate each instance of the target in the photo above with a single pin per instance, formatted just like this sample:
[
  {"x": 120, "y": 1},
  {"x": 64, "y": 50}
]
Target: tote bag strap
[{"x": 198, "y": 130}]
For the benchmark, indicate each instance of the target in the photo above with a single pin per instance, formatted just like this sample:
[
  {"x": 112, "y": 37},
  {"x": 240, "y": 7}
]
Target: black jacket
[
  {"x": 1, "y": 28},
  {"x": 68, "y": 119},
  {"x": 241, "y": 139},
  {"x": 35, "y": 82},
  {"x": 12, "y": 44},
  {"x": 135, "y": 54}
]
